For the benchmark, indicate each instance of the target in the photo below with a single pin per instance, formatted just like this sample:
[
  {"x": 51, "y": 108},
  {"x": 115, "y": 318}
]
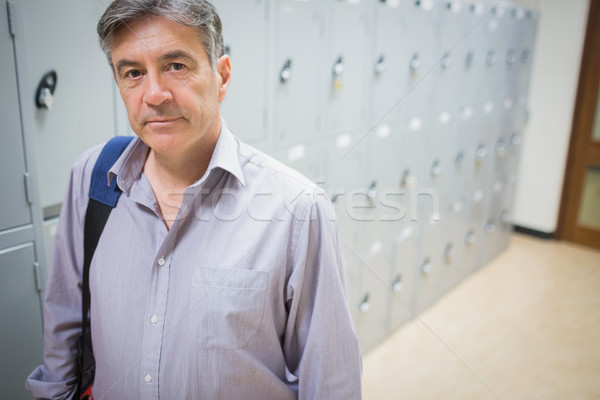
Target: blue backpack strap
[
  {"x": 102, "y": 199},
  {"x": 99, "y": 188}
]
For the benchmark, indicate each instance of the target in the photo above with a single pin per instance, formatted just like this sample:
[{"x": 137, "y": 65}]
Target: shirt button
[
  {"x": 154, "y": 319},
  {"x": 148, "y": 378},
  {"x": 161, "y": 261}
]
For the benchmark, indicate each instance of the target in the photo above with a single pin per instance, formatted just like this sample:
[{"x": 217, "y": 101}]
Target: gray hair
[{"x": 199, "y": 14}]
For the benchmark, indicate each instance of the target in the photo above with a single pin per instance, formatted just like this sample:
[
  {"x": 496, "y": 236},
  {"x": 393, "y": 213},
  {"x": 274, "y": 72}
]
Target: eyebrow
[
  {"x": 126, "y": 63},
  {"x": 177, "y": 54},
  {"x": 172, "y": 55}
]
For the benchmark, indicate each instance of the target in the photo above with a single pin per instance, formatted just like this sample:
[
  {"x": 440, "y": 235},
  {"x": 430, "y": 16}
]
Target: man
[{"x": 219, "y": 273}]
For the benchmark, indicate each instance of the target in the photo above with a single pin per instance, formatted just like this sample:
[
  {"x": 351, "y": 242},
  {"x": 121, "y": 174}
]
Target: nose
[{"x": 157, "y": 91}]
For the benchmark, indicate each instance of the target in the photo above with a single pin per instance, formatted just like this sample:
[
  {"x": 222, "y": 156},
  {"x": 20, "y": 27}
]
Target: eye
[
  {"x": 177, "y": 66},
  {"x": 134, "y": 73}
]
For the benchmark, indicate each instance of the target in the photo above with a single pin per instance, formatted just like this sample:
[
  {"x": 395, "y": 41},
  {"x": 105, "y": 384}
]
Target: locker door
[
  {"x": 297, "y": 66},
  {"x": 61, "y": 36},
  {"x": 21, "y": 328},
  {"x": 245, "y": 35},
  {"x": 15, "y": 209},
  {"x": 386, "y": 62},
  {"x": 346, "y": 63}
]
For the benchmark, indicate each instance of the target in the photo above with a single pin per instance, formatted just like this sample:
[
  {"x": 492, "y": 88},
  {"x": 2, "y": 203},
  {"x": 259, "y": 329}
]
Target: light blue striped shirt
[{"x": 243, "y": 298}]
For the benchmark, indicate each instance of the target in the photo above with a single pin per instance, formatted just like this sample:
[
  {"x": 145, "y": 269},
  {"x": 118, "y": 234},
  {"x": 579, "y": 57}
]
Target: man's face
[{"x": 170, "y": 90}]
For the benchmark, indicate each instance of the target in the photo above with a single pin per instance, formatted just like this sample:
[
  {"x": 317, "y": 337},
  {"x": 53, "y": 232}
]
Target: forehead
[{"x": 153, "y": 36}]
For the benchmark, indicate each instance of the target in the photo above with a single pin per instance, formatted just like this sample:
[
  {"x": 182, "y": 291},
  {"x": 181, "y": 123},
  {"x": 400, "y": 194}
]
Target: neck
[{"x": 176, "y": 172}]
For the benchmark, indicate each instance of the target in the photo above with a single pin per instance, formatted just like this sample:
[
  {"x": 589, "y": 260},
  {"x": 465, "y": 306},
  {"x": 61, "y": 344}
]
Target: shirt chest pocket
[{"x": 227, "y": 306}]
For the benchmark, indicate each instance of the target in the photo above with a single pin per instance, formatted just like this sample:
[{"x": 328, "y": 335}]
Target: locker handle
[
  {"x": 397, "y": 285},
  {"x": 415, "y": 63},
  {"x": 426, "y": 267},
  {"x": 460, "y": 159},
  {"x": 470, "y": 238},
  {"x": 286, "y": 71},
  {"x": 372, "y": 193},
  {"x": 515, "y": 139},
  {"x": 505, "y": 217},
  {"x": 500, "y": 149},
  {"x": 380, "y": 65},
  {"x": 511, "y": 57},
  {"x": 445, "y": 61},
  {"x": 469, "y": 58},
  {"x": 44, "y": 96},
  {"x": 364, "y": 305},
  {"x": 436, "y": 169},
  {"x": 490, "y": 227},
  {"x": 491, "y": 57},
  {"x": 449, "y": 253},
  {"x": 480, "y": 155}
]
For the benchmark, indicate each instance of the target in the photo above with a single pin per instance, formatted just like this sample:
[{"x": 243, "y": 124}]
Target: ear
[{"x": 224, "y": 71}]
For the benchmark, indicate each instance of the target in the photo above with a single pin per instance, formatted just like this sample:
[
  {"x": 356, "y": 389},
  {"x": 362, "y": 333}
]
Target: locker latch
[
  {"x": 338, "y": 71},
  {"x": 380, "y": 65},
  {"x": 44, "y": 97},
  {"x": 286, "y": 71}
]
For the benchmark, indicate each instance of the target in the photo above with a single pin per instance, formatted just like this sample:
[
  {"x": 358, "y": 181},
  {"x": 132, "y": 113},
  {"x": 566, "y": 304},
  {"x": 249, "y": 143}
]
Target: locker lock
[
  {"x": 470, "y": 238},
  {"x": 491, "y": 57},
  {"x": 380, "y": 65},
  {"x": 286, "y": 71},
  {"x": 44, "y": 97},
  {"x": 372, "y": 193},
  {"x": 415, "y": 64},
  {"x": 480, "y": 154},
  {"x": 515, "y": 139},
  {"x": 364, "y": 305},
  {"x": 397, "y": 285},
  {"x": 460, "y": 159},
  {"x": 436, "y": 169},
  {"x": 505, "y": 217},
  {"x": 449, "y": 253},
  {"x": 407, "y": 180},
  {"x": 337, "y": 72},
  {"x": 490, "y": 227},
  {"x": 525, "y": 56},
  {"x": 511, "y": 57},
  {"x": 469, "y": 59},
  {"x": 445, "y": 61},
  {"x": 426, "y": 267},
  {"x": 500, "y": 149}
]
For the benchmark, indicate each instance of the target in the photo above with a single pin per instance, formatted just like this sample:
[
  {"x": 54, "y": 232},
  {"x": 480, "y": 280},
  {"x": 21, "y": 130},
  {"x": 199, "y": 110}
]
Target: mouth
[{"x": 162, "y": 121}]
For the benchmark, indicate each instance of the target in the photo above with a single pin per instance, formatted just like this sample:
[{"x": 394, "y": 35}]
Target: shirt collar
[{"x": 225, "y": 156}]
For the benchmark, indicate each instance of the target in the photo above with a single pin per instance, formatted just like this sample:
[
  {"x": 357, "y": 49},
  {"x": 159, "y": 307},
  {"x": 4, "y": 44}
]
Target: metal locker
[
  {"x": 452, "y": 50},
  {"x": 385, "y": 155},
  {"x": 298, "y": 42},
  {"x": 346, "y": 61},
  {"x": 346, "y": 163},
  {"x": 387, "y": 62},
  {"x": 308, "y": 159},
  {"x": 374, "y": 258},
  {"x": 21, "y": 328},
  {"x": 526, "y": 56},
  {"x": 421, "y": 33},
  {"x": 245, "y": 32},
  {"x": 429, "y": 266},
  {"x": 82, "y": 109},
  {"x": 468, "y": 60},
  {"x": 15, "y": 207},
  {"x": 401, "y": 278}
]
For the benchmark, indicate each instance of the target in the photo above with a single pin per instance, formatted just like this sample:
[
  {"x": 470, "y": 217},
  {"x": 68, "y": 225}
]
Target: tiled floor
[{"x": 526, "y": 326}]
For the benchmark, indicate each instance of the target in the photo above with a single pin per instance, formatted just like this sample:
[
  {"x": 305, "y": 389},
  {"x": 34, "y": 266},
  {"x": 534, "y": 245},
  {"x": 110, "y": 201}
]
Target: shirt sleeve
[
  {"x": 57, "y": 377},
  {"x": 320, "y": 344}
]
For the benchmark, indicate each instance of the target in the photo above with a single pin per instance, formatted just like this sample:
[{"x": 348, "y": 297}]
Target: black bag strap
[{"x": 102, "y": 199}]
